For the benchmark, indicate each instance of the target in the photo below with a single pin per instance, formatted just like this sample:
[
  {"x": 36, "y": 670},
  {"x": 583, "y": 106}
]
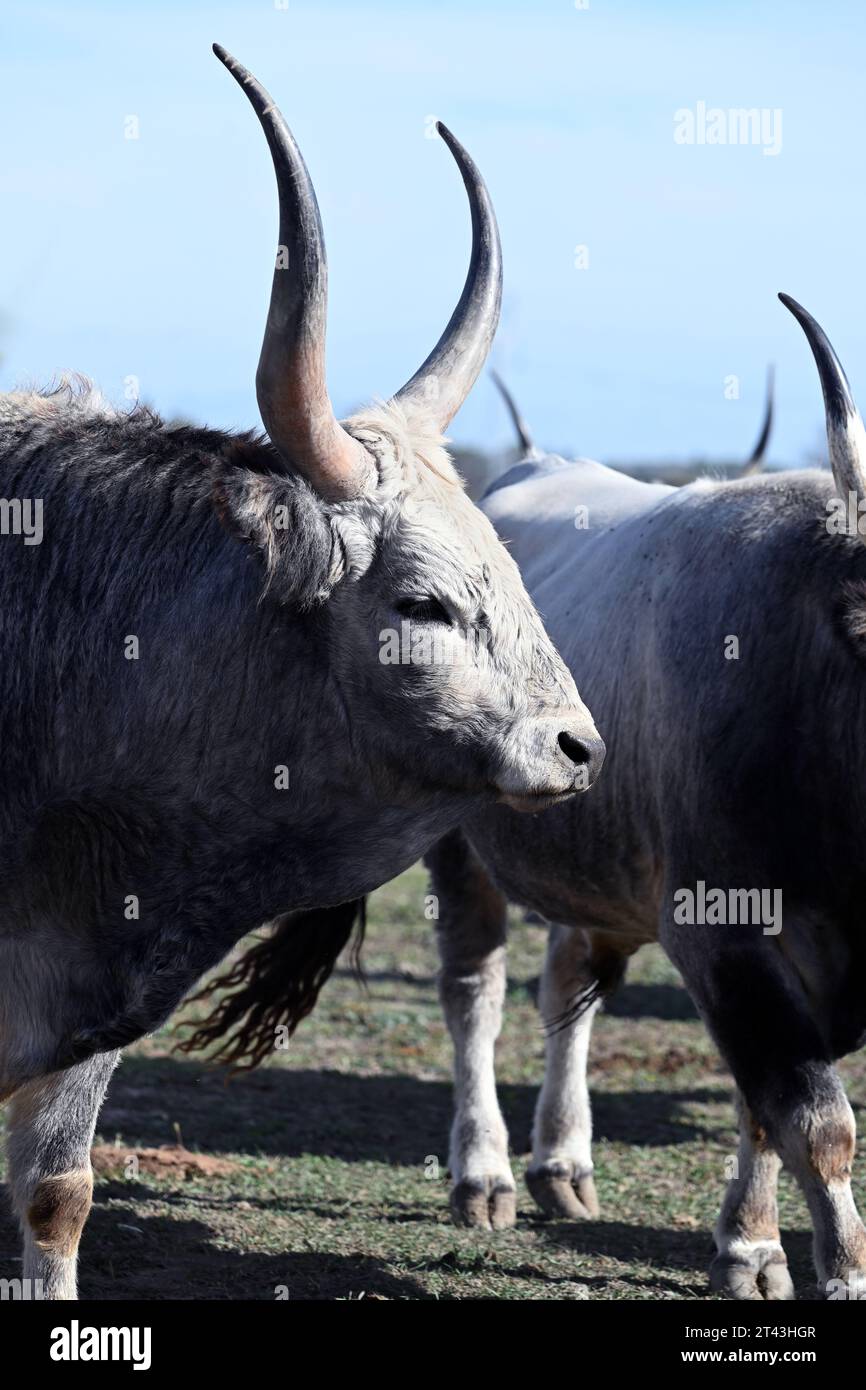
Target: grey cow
[
  {"x": 719, "y": 632},
  {"x": 526, "y": 448},
  {"x": 198, "y": 729}
]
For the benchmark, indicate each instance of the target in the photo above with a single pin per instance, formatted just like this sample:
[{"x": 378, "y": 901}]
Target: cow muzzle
[{"x": 548, "y": 760}]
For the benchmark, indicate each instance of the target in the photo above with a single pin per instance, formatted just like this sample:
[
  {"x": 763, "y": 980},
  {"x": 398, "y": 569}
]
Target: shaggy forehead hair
[
  {"x": 407, "y": 452},
  {"x": 435, "y": 535}
]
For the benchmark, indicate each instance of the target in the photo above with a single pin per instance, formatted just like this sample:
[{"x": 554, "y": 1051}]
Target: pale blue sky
[{"x": 152, "y": 257}]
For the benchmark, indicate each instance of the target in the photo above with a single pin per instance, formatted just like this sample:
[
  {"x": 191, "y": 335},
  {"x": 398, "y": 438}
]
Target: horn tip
[
  {"x": 228, "y": 60},
  {"x": 791, "y": 304},
  {"x": 803, "y": 317},
  {"x": 447, "y": 135},
  {"x": 838, "y": 400}
]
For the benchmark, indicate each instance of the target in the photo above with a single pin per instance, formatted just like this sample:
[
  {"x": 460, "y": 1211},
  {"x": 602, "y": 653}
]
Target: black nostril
[{"x": 574, "y": 750}]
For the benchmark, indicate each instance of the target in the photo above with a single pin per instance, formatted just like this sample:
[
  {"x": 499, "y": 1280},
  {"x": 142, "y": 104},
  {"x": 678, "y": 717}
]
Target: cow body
[
  {"x": 142, "y": 610},
  {"x": 199, "y": 732},
  {"x": 672, "y": 575},
  {"x": 736, "y": 766}
]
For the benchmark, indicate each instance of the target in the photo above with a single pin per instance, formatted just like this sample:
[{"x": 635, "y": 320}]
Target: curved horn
[
  {"x": 756, "y": 458},
  {"x": 524, "y": 439},
  {"x": 846, "y": 438},
  {"x": 442, "y": 384},
  {"x": 290, "y": 381}
]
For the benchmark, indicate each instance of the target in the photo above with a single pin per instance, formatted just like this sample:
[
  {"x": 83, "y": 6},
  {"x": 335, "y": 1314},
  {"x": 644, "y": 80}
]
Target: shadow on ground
[
  {"x": 639, "y": 1000},
  {"x": 177, "y": 1257},
  {"x": 386, "y": 1118},
  {"x": 666, "y": 1002},
  {"x": 666, "y": 1248},
  {"x": 164, "y": 1257}
]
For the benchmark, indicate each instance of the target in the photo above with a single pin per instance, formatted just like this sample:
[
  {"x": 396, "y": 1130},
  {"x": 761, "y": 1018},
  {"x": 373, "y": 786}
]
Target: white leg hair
[
  {"x": 50, "y": 1130},
  {"x": 817, "y": 1145},
  {"x": 471, "y": 938},
  {"x": 751, "y": 1263},
  {"x": 560, "y": 1175}
]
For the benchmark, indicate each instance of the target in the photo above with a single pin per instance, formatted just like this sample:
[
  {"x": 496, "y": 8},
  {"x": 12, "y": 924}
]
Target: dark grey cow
[
  {"x": 719, "y": 631},
  {"x": 239, "y": 678}
]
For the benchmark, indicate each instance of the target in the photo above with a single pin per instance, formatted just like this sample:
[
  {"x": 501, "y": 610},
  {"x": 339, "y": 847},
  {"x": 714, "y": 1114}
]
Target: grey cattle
[
  {"x": 678, "y": 473},
  {"x": 719, "y": 632},
  {"x": 241, "y": 677}
]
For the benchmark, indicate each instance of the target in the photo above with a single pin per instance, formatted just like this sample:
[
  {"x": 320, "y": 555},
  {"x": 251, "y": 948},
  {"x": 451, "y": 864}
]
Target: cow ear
[{"x": 289, "y": 528}]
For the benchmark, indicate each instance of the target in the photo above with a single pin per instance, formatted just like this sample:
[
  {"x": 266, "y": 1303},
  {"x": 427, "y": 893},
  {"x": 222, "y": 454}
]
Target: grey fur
[
  {"x": 740, "y": 772},
  {"x": 259, "y": 645}
]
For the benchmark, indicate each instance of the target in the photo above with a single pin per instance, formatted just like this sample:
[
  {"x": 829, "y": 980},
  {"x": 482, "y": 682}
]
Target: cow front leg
[
  {"x": 50, "y": 1130},
  {"x": 470, "y": 933},
  {"x": 560, "y": 1175},
  {"x": 751, "y": 1263}
]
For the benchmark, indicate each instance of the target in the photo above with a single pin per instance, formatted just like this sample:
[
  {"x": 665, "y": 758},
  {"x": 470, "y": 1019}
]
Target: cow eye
[{"x": 424, "y": 610}]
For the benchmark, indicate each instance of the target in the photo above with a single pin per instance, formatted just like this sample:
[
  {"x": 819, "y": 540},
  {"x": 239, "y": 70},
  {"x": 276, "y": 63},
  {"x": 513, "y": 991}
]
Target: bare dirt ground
[{"x": 310, "y": 1178}]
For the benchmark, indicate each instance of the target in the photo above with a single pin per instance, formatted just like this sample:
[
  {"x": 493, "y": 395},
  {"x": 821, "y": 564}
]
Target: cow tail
[{"x": 275, "y": 984}]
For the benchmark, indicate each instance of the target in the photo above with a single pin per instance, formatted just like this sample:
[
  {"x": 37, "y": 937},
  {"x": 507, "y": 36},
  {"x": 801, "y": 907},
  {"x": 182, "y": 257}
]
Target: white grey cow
[{"x": 720, "y": 633}]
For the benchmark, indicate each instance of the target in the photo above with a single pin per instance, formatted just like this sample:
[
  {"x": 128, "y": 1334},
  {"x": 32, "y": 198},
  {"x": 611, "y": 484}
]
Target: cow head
[{"x": 452, "y": 682}]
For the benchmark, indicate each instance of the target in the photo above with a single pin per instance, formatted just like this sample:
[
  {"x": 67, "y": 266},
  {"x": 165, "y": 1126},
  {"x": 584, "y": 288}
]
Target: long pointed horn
[
  {"x": 290, "y": 382},
  {"x": 756, "y": 458},
  {"x": 524, "y": 438},
  {"x": 442, "y": 384},
  {"x": 846, "y": 438}
]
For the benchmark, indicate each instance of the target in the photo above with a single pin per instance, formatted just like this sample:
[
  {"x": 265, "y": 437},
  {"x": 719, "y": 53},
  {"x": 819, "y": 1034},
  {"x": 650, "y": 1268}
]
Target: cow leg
[
  {"x": 560, "y": 1175},
  {"x": 470, "y": 933},
  {"x": 817, "y": 1144},
  {"x": 753, "y": 1003},
  {"x": 751, "y": 1263},
  {"x": 50, "y": 1131}
]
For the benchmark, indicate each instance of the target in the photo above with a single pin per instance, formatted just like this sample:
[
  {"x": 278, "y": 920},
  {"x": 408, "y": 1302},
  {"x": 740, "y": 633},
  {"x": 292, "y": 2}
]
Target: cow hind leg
[
  {"x": 817, "y": 1140},
  {"x": 470, "y": 933},
  {"x": 755, "y": 1007},
  {"x": 751, "y": 1263},
  {"x": 50, "y": 1128},
  {"x": 560, "y": 1176}
]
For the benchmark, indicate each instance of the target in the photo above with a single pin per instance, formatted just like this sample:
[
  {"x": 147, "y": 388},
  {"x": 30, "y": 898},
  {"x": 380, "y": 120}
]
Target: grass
[{"x": 324, "y": 1188}]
